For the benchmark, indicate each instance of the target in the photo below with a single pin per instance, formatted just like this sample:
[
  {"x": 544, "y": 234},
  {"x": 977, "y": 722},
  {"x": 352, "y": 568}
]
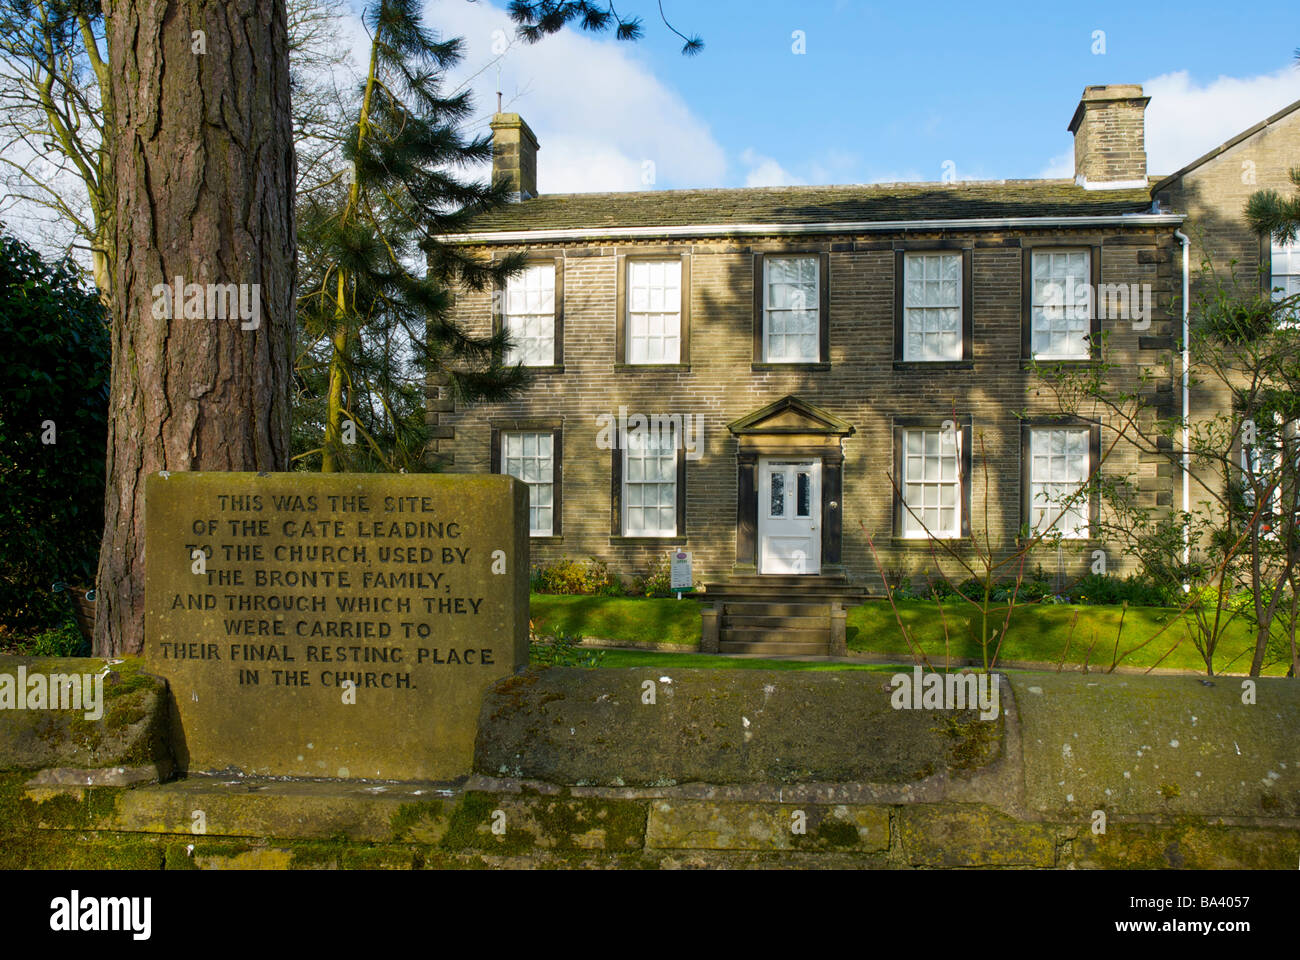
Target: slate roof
[{"x": 789, "y": 205}]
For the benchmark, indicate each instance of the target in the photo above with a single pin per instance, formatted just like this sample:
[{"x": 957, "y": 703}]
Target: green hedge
[{"x": 54, "y": 369}]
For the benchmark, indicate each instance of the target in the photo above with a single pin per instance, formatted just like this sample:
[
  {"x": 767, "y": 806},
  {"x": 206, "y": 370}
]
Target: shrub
[
  {"x": 1033, "y": 588},
  {"x": 563, "y": 650},
  {"x": 583, "y": 578},
  {"x": 1238, "y": 321},
  {"x": 899, "y": 583},
  {"x": 1135, "y": 590},
  {"x": 936, "y": 588},
  {"x": 65, "y": 640},
  {"x": 54, "y": 366}
]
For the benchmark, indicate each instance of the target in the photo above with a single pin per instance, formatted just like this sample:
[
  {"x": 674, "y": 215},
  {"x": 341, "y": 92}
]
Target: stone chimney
[
  {"x": 1109, "y": 137},
  {"x": 514, "y": 154}
]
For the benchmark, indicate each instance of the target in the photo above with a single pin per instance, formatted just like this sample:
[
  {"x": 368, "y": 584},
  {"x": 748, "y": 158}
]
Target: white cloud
[
  {"x": 765, "y": 172},
  {"x": 1060, "y": 167},
  {"x": 1185, "y": 120},
  {"x": 603, "y": 119}
]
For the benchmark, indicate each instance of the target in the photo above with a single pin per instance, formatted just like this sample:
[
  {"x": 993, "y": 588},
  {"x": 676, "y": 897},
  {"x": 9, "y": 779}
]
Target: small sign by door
[{"x": 681, "y": 571}]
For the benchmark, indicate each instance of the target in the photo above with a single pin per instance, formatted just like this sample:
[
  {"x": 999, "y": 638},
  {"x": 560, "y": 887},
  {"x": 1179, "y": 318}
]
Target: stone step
[
  {"x": 263, "y": 807},
  {"x": 781, "y": 634},
  {"x": 730, "y": 621},
  {"x": 749, "y": 595},
  {"x": 757, "y": 609},
  {"x": 787, "y": 585},
  {"x": 774, "y": 648},
  {"x": 787, "y": 580}
]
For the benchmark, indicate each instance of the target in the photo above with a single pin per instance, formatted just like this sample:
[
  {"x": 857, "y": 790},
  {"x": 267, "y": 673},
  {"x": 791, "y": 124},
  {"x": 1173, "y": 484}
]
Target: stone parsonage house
[{"x": 797, "y": 347}]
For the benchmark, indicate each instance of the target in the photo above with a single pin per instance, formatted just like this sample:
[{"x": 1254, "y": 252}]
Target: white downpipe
[{"x": 1187, "y": 411}]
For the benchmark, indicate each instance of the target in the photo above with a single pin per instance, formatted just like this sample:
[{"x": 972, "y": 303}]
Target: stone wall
[
  {"x": 1223, "y": 247},
  {"x": 574, "y": 768}
]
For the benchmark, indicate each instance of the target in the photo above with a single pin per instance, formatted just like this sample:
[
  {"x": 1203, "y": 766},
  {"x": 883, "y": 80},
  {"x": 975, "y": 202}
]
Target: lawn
[
  {"x": 1038, "y": 632},
  {"x": 640, "y": 619},
  {"x": 1042, "y": 632},
  {"x": 669, "y": 661}
]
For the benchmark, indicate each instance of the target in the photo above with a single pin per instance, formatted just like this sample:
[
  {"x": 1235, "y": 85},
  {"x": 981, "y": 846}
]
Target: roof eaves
[{"x": 838, "y": 226}]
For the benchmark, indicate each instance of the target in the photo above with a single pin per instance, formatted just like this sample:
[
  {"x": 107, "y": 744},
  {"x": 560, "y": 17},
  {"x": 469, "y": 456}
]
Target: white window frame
[
  {"x": 923, "y": 311},
  {"x": 1040, "y": 302},
  {"x": 932, "y": 480},
  {"x": 1050, "y": 506},
  {"x": 543, "y": 470},
  {"x": 790, "y": 312},
  {"x": 640, "y": 448},
  {"x": 1286, "y": 255},
  {"x": 528, "y": 315},
  {"x": 1251, "y": 455},
  {"x": 646, "y": 322}
]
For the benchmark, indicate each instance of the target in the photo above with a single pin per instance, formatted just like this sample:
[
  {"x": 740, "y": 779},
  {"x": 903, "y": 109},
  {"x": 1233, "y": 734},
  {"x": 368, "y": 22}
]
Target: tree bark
[{"x": 203, "y": 158}]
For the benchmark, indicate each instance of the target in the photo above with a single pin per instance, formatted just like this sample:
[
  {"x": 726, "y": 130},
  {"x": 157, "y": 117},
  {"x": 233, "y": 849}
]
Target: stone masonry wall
[
  {"x": 862, "y": 384},
  {"x": 750, "y": 768},
  {"x": 1214, "y": 197}
]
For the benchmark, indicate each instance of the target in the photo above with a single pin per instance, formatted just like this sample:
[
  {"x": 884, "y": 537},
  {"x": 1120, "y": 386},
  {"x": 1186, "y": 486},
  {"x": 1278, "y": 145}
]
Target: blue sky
[
  {"x": 883, "y": 92},
  {"x": 906, "y": 85}
]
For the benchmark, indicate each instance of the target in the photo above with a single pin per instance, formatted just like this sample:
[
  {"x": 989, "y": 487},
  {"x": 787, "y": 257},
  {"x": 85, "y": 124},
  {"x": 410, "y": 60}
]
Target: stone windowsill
[
  {"x": 621, "y": 367},
  {"x": 1028, "y": 362},
  {"x": 919, "y": 365},
  {"x": 819, "y": 365}
]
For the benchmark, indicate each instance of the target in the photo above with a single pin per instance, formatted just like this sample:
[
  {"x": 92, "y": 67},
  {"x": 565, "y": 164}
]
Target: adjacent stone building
[{"x": 829, "y": 366}]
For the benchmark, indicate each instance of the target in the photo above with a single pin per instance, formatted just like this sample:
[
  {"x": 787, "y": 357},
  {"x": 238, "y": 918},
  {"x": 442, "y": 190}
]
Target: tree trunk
[
  {"x": 203, "y": 156},
  {"x": 334, "y": 400},
  {"x": 102, "y": 270}
]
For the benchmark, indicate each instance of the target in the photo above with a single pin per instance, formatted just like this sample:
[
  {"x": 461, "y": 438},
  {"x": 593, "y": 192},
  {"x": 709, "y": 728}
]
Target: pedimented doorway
[{"x": 789, "y": 484}]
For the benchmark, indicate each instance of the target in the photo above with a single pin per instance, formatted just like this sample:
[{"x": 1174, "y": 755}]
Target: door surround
[{"x": 791, "y": 429}]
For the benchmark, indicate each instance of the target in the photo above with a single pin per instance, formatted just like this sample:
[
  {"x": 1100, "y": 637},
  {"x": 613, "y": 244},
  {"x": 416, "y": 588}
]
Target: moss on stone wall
[{"x": 131, "y": 732}]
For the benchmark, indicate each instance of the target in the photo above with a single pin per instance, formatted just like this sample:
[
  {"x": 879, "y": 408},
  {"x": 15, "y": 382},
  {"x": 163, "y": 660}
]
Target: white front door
[{"x": 789, "y": 516}]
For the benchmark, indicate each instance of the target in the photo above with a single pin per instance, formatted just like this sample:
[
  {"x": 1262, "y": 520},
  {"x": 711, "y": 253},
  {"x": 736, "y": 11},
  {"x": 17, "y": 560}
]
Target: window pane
[
  {"x": 803, "y": 508},
  {"x": 530, "y": 315},
  {"x": 1060, "y": 303},
  {"x": 1058, "y": 471},
  {"x": 527, "y": 457},
  {"x": 931, "y": 483},
  {"x": 1286, "y": 276},
  {"x": 650, "y": 481},
  {"x": 654, "y": 311},
  {"x": 791, "y": 309},
  {"x": 932, "y": 306}
]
